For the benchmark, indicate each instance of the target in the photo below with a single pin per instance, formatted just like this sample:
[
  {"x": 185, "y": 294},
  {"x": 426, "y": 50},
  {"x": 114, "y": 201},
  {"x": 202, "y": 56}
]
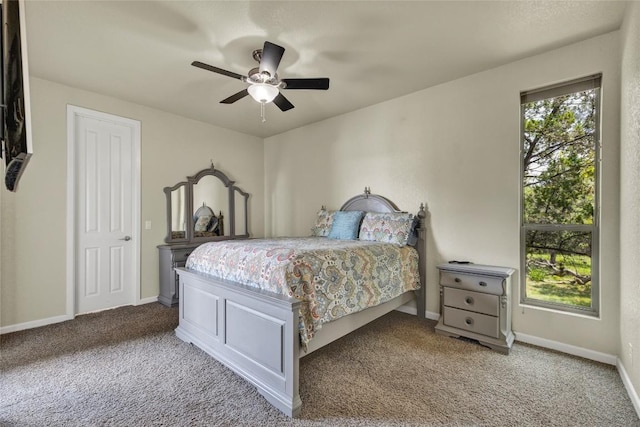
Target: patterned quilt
[{"x": 331, "y": 278}]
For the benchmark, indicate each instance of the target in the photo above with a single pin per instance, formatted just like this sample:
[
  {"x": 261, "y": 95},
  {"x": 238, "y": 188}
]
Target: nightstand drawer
[
  {"x": 474, "y": 322},
  {"x": 472, "y": 301},
  {"x": 181, "y": 255},
  {"x": 472, "y": 282}
]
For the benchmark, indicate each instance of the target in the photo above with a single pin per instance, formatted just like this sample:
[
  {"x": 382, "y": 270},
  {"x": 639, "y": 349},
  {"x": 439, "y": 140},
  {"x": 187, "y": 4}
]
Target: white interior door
[{"x": 105, "y": 236}]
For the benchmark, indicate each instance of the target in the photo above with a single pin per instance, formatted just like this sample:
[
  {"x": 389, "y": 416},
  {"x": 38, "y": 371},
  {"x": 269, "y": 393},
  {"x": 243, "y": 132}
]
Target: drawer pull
[
  {"x": 468, "y": 321},
  {"x": 482, "y": 283},
  {"x": 469, "y": 300},
  {"x": 457, "y": 280}
]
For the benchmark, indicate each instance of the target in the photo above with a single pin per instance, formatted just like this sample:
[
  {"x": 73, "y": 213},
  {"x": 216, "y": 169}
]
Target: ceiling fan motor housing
[{"x": 255, "y": 76}]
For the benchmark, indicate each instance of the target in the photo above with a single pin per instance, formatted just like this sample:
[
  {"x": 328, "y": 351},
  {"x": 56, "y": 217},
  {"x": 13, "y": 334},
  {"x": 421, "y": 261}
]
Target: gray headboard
[{"x": 368, "y": 202}]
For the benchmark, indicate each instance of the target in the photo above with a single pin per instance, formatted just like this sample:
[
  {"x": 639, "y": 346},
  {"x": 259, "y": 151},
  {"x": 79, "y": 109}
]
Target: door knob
[{"x": 126, "y": 238}]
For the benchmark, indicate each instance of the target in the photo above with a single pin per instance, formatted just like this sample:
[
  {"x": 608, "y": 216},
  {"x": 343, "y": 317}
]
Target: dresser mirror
[
  {"x": 208, "y": 206},
  {"x": 177, "y": 212},
  {"x": 211, "y": 205},
  {"x": 241, "y": 200}
]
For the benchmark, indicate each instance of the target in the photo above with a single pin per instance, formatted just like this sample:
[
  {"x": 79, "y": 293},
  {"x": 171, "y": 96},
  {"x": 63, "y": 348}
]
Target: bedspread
[{"x": 331, "y": 278}]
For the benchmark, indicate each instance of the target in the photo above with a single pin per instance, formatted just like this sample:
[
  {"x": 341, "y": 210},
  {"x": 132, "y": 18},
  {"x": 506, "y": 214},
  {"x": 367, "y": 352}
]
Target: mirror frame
[
  {"x": 193, "y": 180},
  {"x": 187, "y": 196},
  {"x": 230, "y": 215},
  {"x": 246, "y": 212}
]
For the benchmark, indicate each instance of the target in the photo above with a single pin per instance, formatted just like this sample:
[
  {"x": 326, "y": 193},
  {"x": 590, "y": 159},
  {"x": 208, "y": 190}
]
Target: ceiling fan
[{"x": 264, "y": 83}]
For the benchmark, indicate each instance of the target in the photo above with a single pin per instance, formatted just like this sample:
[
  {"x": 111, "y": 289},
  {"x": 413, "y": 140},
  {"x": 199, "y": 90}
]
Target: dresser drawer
[
  {"x": 472, "y": 282},
  {"x": 474, "y": 322},
  {"x": 180, "y": 256},
  {"x": 472, "y": 301}
]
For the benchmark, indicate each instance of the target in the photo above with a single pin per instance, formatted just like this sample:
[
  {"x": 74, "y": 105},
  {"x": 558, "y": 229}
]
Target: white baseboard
[
  {"x": 56, "y": 319},
  {"x": 147, "y": 300},
  {"x": 409, "y": 309},
  {"x": 33, "y": 324},
  {"x": 609, "y": 359},
  {"x": 431, "y": 315},
  {"x": 629, "y": 386}
]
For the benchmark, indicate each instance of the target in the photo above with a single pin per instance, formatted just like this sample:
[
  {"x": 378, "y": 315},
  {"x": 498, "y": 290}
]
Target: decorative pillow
[
  {"x": 345, "y": 225},
  {"x": 388, "y": 227},
  {"x": 202, "y": 224},
  {"x": 323, "y": 223}
]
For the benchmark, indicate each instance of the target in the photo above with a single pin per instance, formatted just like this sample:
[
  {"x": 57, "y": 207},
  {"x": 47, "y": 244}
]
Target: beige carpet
[{"x": 125, "y": 367}]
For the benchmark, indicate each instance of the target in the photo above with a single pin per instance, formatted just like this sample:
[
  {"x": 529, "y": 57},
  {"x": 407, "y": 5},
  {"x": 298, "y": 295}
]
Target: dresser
[
  {"x": 475, "y": 302},
  {"x": 171, "y": 257},
  {"x": 192, "y": 221}
]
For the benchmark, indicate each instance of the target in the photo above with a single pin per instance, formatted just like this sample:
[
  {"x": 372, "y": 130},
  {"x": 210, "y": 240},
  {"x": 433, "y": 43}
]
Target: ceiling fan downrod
[{"x": 263, "y": 113}]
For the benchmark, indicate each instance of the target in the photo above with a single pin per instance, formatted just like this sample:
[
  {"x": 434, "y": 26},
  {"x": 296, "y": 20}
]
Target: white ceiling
[{"x": 372, "y": 51}]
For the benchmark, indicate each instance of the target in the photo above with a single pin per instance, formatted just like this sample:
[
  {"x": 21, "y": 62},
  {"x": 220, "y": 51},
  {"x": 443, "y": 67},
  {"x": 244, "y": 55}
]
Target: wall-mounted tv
[{"x": 16, "y": 113}]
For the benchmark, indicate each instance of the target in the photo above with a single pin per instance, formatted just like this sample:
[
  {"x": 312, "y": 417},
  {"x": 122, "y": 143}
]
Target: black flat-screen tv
[{"x": 16, "y": 113}]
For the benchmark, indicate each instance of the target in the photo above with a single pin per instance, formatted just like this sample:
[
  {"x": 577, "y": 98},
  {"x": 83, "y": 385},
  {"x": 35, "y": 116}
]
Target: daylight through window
[{"x": 559, "y": 236}]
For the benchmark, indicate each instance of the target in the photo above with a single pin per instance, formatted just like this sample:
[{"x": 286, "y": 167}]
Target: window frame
[{"x": 572, "y": 86}]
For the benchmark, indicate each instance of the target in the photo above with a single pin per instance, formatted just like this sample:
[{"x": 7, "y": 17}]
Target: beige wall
[
  {"x": 630, "y": 196},
  {"x": 33, "y": 250},
  {"x": 455, "y": 147}
]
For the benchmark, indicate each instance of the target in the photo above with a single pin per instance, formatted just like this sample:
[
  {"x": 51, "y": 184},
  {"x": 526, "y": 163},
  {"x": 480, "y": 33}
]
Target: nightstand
[{"x": 475, "y": 302}]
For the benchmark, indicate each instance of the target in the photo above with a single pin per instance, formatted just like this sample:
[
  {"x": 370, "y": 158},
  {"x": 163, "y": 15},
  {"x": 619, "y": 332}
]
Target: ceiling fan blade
[
  {"x": 271, "y": 56},
  {"x": 235, "y": 97},
  {"x": 217, "y": 70},
  {"x": 282, "y": 102},
  {"x": 321, "y": 83}
]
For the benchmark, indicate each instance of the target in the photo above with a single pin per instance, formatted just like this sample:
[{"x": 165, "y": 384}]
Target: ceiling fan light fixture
[{"x": 262, "y": 92}]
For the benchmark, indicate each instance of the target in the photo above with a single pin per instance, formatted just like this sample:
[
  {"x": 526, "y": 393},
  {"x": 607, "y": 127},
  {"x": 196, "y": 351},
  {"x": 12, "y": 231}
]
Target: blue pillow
[{"x": 346, "y": 225}]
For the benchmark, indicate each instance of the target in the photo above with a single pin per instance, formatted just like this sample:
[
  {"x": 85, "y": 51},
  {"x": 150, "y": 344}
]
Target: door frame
[{"x": 73, "y": 113}]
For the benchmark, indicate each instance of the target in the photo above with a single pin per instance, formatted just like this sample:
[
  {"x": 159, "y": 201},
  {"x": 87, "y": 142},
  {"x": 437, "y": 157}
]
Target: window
[{"x": 559, "y": 235}]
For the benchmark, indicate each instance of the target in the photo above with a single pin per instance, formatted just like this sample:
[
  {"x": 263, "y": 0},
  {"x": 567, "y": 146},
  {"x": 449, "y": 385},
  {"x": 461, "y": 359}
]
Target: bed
[{"x": 262, "y": 333}]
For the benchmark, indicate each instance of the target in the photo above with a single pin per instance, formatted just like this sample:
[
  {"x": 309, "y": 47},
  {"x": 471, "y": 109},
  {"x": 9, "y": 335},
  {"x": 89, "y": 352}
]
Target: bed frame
[{"x": 255, "y": 333}]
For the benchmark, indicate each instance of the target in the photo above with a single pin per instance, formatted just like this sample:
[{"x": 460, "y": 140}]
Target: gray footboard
[{"x": 253, "y": 333}]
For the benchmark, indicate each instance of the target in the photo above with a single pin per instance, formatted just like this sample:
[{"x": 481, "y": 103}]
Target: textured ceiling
[{"x": 371, "y": 50}]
